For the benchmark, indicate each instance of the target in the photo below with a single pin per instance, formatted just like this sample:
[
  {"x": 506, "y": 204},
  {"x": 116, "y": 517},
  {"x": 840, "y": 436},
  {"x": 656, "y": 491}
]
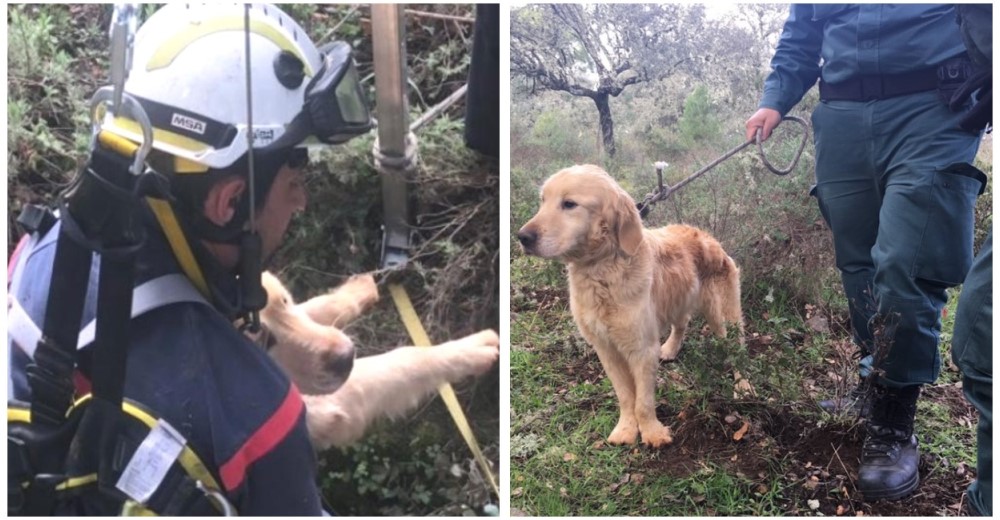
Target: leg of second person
[{"x": 924, "y": 246}]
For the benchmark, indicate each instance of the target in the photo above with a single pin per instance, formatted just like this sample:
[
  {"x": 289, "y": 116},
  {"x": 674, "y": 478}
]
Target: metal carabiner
[
  {"x": 122, "y": 35},
  {"x": 217, "y": 498},
  {"x": 133, "y": 108}
]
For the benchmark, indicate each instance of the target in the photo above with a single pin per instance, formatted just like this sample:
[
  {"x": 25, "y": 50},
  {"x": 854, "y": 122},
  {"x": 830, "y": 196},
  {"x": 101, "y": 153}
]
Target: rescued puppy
[
  {"x": 628, "y": 283},
  {"x": 344, "y": 395}
]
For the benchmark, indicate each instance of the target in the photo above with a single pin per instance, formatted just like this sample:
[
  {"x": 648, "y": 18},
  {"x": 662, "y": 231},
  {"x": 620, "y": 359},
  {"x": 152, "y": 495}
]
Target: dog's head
[
  {"x": 583, "y": 215},
  {"x": 318, "y": 358}
]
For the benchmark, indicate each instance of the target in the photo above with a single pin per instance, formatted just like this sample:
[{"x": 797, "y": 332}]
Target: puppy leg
[
  {"x": 627, "y": 429},
  {"x": 391, "y": 384},
  {"x": 343, "y": 304},
  {"x": 670, "y": 348},
  {"x": 643, "y": 364}
]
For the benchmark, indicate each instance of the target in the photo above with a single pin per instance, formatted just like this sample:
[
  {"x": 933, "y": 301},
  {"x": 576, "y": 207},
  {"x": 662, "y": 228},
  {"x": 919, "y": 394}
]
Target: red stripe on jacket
[
  {"x": 12, "y": 262},
  {"x": 269, "y": 435}
]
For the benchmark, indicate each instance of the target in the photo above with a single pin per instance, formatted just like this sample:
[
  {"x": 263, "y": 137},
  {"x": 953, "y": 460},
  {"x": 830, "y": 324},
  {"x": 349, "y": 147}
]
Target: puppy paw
[
  {"x": 656, "y": 436},
  {"x": 363, "y": 288},
  {"x": 624, "y": 433},
  {"x": 669, "y": 350}
]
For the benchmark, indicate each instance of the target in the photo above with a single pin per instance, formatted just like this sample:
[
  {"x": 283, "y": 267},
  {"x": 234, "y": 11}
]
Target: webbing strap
[
  {"x": 50, "y": 376},
  {"x": 158, "y": 292},
  {"x": 178, "y": 243},
  {"x": 421, "y": 339}
]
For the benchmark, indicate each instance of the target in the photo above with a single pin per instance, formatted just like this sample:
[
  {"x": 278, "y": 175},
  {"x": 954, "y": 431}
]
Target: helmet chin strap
[{"x": 252, "y": 294}]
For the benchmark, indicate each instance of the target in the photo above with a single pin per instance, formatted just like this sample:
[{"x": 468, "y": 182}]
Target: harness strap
[
  {"x": 178, "y": 243},
  {"x": 158, "y": 292},
  {"x": 189, "y": 490}
]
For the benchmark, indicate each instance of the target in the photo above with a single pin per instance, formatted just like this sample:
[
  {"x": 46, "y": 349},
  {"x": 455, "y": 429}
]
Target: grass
[{"x": 563, "y": 407}]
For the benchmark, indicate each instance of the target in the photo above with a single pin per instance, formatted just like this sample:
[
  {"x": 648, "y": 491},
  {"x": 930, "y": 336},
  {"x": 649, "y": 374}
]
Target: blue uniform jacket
[
  {"x": 190, "y": 366},
  {"x": 856, "y": 39}
]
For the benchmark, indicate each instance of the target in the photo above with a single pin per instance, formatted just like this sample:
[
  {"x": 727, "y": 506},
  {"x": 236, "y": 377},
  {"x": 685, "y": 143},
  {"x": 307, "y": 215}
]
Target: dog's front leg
[
  {"x": 643, "y": 364},
  {"x": 345, "y": 303},
  {"x": 394, "y": 383},
  {"x": 627, "y": 429}
]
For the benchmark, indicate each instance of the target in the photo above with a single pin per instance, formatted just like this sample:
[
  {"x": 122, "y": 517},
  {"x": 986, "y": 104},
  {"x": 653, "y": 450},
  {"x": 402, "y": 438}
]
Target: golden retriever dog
[
  {"x": 344, "y": 395},
  {"x": 628, "y": 283}
]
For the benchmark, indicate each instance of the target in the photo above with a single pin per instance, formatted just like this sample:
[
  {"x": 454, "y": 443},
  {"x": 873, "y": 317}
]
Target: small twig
[
  {"x": 438, "y": 16},
  {"x": 335, "y": 27},
  {"x": 436, "y": 110},
  {"x": 836, "y": 453}
]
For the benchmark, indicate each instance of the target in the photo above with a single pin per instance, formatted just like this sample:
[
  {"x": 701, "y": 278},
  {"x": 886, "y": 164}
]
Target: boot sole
[{"x": 897, "y": 493}]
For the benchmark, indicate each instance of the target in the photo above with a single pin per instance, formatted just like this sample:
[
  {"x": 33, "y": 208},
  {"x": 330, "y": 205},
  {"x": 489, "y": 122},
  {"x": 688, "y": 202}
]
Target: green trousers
[
  {"x": 972, "y": 351},
  {"x": 895, "y": 184}
]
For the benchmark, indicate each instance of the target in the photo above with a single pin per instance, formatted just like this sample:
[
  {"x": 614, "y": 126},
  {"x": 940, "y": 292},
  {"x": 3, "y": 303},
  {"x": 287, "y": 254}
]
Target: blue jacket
[
  {"x": 190, "y": 366},
  {"x": 856, "y": 39}
]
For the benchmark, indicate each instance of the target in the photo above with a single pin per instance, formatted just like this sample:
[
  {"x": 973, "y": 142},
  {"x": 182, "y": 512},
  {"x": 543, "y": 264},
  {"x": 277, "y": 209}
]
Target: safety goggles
[{"x": 334, "y": 109}]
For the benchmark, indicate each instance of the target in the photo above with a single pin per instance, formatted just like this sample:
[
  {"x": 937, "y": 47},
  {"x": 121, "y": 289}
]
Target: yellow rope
[{"x": 420, "y": 339}]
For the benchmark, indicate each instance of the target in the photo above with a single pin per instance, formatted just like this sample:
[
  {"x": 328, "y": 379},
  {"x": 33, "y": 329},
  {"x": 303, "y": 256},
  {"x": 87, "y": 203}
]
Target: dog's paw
[
  {"x": 486, "y": 338},
  {"x": 363, "y": 288},
  {"x": 624, "y": 433},
  {"x": 657, "y": 436}
]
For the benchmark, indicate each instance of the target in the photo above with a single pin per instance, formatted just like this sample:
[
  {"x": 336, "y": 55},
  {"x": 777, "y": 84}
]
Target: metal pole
[{"x": 395, "y": 160}]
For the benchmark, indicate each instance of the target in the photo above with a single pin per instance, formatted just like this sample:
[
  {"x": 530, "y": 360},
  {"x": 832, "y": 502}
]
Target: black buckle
[
  {"x": 51, "y": 382},
  {"x": 35, "y": 218}
]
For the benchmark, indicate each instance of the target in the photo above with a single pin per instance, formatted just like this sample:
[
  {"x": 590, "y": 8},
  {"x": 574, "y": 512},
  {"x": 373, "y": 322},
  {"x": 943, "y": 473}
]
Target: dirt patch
[
  {"x": 818, "y": 462},
  {"x": 707, "y": 438}
]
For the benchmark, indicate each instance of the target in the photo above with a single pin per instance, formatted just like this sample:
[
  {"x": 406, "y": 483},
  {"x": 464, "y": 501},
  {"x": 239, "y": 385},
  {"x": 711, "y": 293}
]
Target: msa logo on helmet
[{"x": 188, "y": 123}]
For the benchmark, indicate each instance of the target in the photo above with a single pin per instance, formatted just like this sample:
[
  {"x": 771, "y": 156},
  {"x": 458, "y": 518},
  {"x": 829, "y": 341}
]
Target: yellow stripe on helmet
[{"x": 167, "y": 52}]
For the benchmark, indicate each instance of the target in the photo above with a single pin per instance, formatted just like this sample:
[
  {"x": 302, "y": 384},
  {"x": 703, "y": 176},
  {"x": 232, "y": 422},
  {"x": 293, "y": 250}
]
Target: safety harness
[{"x": 101, "y": 443}]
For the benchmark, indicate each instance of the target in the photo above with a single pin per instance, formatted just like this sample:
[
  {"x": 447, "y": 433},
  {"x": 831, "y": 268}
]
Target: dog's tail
[{"x": 722, "y": 288}]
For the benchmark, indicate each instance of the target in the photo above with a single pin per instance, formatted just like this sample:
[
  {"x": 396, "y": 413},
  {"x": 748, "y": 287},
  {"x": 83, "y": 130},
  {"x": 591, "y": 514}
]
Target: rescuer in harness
[{"x": 209, "y": 423}]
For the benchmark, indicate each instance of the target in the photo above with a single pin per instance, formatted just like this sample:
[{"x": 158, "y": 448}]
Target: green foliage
[
  {"x": 699, "y": 122},
  {"x": 381, "y": 476},
  {"x": 553, "y": 134},
  {"x": 45, "y": 101}
]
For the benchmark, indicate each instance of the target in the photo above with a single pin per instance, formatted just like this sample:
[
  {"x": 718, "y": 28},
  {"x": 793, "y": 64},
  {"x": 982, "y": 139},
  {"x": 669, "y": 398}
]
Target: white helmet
[{"x": 188, "y": 73}]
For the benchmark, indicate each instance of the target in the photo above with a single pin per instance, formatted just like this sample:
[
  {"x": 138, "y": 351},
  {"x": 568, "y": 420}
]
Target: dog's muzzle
[{"x": 528, "y": 240}]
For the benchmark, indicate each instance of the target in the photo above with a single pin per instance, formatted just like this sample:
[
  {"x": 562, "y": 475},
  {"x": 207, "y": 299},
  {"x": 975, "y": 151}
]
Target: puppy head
[
  {"x": 278, "y": 298},
  {"x": 318, "y": 358},
  {"x": 583, "y": 215}
]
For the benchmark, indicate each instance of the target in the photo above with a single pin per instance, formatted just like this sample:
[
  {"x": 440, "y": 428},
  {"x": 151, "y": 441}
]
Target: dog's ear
[{"x": 628, "y": 225}]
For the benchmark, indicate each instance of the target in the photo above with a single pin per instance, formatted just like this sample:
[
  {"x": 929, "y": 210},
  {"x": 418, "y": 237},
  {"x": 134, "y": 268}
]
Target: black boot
[
  {"x": 857, "y": 402},
  {"x": 889, "y": 457}
]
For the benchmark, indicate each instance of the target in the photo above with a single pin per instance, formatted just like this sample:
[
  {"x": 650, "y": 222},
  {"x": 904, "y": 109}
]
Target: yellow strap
[
  {"x": 188, "y": 459},
  {"x": 420, "y": 339},
  {"x": 178, "y": 243},
  {"x": 18, "y": 415},
  {"x": 77, "y": 482},
  {"x": 165, "y": 216},
  {"x": 133, "y": 508}
]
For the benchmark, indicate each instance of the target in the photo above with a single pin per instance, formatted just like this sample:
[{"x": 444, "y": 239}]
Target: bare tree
[{"x": 596, "y": 51}]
